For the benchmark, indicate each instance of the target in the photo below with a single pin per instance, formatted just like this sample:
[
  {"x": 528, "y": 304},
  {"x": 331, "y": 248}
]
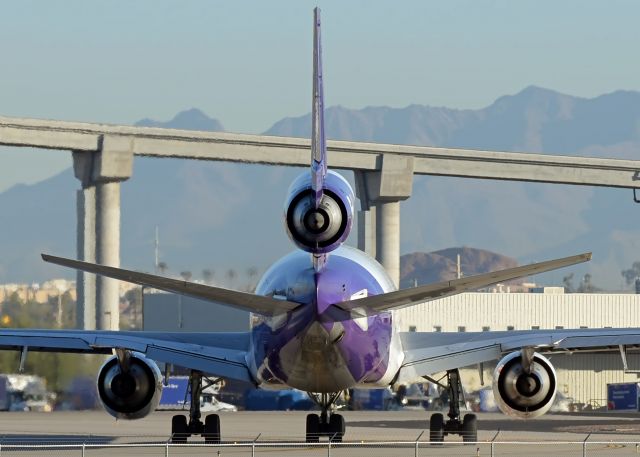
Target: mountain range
[
  {"x": 418, "y": 268},
  {"x": 222, "y": 216}
]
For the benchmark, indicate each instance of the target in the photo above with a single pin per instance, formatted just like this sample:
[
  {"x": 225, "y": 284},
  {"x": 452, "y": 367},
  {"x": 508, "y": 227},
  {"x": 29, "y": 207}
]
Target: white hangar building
[{"x": 584, "y": 377}]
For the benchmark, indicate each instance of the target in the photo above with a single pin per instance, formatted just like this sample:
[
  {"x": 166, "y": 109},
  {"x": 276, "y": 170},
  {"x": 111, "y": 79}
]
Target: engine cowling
[
  {"x": 323, "y": 229},
  {"x": 133, "y": 394},
  {"x": 521, "y": 394}
]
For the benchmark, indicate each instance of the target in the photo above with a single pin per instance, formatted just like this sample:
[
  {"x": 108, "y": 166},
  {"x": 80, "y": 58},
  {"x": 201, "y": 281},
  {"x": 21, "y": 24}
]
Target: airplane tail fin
[
  {"x": 320, "y": 206},
  {"x": 318, "y": 140}
]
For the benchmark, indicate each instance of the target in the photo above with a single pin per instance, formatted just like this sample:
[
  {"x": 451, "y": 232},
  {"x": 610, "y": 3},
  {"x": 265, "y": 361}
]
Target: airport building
[
  {"x": 164, "y": 312},
  {"x": 581, "y": 377}
]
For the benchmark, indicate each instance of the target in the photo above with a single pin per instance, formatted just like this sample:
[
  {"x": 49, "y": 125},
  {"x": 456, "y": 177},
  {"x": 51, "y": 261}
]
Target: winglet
[{"x": 318, "y": 141}]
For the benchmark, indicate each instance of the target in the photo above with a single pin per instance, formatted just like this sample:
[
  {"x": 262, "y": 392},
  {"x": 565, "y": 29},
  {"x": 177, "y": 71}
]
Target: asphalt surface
[{"x": 609, "y": 434}]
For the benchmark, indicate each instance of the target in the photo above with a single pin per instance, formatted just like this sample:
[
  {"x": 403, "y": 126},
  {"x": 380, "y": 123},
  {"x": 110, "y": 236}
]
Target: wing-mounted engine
[
  {"x": 323, "y": 228},
  {"x": 524, "y": 384},
  {"x": 130, "y": 387}
]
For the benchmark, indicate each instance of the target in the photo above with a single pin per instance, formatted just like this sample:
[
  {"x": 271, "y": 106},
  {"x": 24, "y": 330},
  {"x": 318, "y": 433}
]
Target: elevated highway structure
[{"x": 103, "y": 157}]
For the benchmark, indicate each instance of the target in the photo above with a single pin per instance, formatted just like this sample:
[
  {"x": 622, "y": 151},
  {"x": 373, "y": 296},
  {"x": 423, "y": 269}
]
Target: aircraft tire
[
  {"x": 212, "y": 429},
  {"x": 436, "y": 428},
  {"x": 470, "y": 428},
  {"x": 337, "y": 428},
  {"x": 313, "y": 428},
  {"x": 179, "y": 429}
]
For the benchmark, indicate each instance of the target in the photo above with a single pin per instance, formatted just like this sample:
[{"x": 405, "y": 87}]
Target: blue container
[
  {"x": 623, "y": 396},
  {"x": 174, "y": 394},
  {"x": 277, "y": 400}
]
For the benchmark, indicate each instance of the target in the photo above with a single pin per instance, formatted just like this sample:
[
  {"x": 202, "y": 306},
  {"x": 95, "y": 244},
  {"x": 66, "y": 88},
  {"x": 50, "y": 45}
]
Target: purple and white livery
[{"x": 323, "y": 321}]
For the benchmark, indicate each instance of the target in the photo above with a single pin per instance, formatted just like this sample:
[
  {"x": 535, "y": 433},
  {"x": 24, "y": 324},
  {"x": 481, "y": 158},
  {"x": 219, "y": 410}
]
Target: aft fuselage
[{"x": 317, "y": 347}]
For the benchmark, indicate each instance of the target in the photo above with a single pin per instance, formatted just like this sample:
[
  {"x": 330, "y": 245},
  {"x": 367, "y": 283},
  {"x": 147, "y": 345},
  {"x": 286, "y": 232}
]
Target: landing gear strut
[
  {"x": 210, "y": 429},
  {"x": 467, "y": 428},
  {"x": 328, "y": 423}
]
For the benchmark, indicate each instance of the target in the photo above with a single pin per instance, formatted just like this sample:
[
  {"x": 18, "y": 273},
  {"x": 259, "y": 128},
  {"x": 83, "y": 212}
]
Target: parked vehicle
[
  {"x": 175, "y": 396},
  {"x": 373, "y": 399},
  {"x": 209, "y": 403},
  {"x": 19, "y": 392},
  {"x": 274, "y": 400}
]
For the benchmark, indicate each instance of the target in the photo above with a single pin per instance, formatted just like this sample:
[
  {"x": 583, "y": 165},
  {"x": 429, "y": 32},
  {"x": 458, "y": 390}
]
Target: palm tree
[
  {"x": 252, "y": 272},
  {"x": 162, "y": 267},
  {"x": 208, "y": 275},
  {"x": 231, "y": 275},
  {"x": 632, "y": 273}
]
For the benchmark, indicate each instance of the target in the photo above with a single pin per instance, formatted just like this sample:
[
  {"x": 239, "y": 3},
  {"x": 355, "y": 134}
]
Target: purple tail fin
[
  {"x": 318, "y": 141},
  {"x": 319, "y": 208}
]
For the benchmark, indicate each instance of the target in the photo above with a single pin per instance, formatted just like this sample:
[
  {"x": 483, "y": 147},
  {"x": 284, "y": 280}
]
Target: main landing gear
[
  {"x": 467, "y": 428},
  {"x": 210, "y": 429},
  {"x": 327, "y": 424}
]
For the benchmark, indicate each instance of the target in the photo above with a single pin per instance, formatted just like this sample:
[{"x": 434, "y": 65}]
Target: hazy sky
[{"x": 248, "y": 63}]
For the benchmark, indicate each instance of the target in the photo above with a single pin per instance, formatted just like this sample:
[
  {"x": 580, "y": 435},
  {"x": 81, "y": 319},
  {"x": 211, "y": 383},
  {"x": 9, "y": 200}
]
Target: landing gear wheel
[
  {"x": 313, "y": 428},
  {"x": 336, "y": 428},
  {"x": 212, "y": 429},
  {"x": 179, "y": 429},
  {"x": 469, "y": 428},
  {"x": 436, "y": 428}
]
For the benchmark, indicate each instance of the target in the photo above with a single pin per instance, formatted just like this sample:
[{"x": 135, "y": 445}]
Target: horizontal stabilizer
[
  {"x": 407, "y": 297},
  {"x": 258, "y": 304}
]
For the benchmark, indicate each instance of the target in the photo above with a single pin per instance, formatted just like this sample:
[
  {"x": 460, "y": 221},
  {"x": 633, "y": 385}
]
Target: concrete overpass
[{"x": 103, "y": 157}]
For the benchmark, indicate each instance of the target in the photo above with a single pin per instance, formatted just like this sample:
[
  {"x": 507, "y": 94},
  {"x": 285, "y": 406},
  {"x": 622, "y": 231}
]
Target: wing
[
  {"x": 431, "y": 352},
  {"x": 259, "y": 304},
  {"x": 407, "y": 297},
  {"x": 218, "y": 354}
]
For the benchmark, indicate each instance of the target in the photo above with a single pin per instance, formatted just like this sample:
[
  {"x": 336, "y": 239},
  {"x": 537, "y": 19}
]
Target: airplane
[{"x": 324, "y": 321}]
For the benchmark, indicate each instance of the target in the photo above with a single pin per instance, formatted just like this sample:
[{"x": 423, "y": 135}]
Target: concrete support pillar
[
  {"x": 107, "y": 253},
  {"x": 85, "y": 240},
  {"x": 367, "y": 231},
  {"x": 86, "y": 251},
  {"x": 388, "y": 237},
  {"x": 99, "y": 228},
  {"x": 380, "y": 193}
]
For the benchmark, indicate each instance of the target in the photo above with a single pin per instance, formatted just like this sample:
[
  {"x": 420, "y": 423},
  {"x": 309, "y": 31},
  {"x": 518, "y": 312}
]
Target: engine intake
[
  {"x": 132, "y": 394},
  {"x": 522, "y": 394},
  {"x": 323, "y": 229}
]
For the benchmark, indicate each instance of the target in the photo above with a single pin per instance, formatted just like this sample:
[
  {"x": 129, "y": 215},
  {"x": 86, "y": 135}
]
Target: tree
[
  {"x": 632, "y": 273},
  {"x": 186, "y": 275},
  {"x": 587, "y": 286},
  {"x": 231, "y": 275},
  {"x": 567, "y": 281},
  {"x": 162, "y": 267},
  {"x": 208, "y": 275},
  {"x": 252, "y": 273}
]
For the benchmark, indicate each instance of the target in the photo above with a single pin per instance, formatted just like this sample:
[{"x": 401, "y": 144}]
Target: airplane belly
[
  {"x": 315, "y": 364},
  {"x": 312, "y": 349},
  {"x": 330, "y": 358}
]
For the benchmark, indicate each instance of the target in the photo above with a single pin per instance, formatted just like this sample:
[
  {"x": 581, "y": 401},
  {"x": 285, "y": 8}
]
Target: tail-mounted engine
[
  {"x": 323, "y": 229},
  {"x": 130, "y": 388},
  {"x": 524, "y": 388}
]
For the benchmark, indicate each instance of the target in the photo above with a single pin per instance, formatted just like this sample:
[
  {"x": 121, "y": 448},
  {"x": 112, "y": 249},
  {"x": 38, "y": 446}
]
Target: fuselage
[{"x": 318, "y": 347}]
